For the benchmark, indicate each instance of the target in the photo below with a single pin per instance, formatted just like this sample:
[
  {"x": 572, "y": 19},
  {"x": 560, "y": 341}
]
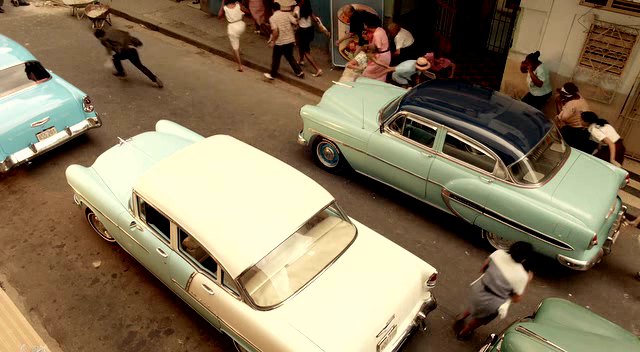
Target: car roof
[
  {"x": 509, "y": 127},
  {"x": 12, "y": 53},
  {"x": 237, "y": 201}
]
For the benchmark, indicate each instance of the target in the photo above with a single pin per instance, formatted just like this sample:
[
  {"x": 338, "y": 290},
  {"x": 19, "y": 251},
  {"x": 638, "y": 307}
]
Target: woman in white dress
[{"x": 233, "y": 10}]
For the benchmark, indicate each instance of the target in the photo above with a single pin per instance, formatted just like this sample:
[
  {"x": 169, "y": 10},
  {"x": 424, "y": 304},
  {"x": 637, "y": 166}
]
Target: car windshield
[
  {"x": 16, "y": 78},
  {"x": 390, "y": 109},
  {"x": 542, "y": 161},
  {"x": 297, "y": 260}
]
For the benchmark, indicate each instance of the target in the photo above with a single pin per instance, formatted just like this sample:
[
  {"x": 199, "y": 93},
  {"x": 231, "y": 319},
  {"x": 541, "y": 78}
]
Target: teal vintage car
[
  {"x": 38, "y": 109},
  {"x": 562, "y": 326},
  {"x": 477, "y": 154}
]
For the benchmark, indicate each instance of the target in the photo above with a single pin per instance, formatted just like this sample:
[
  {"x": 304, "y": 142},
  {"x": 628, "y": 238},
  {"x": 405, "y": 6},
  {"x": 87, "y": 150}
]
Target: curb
[{"x": 204, "y": 46}]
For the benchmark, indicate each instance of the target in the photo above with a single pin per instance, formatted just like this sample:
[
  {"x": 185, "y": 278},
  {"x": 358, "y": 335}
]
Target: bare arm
[
  {"x": 612, "y": 151},
  {"x": 275, "y": 33},
  {"x": 221, "y": 11},
  {"x": 535, "y": 78},
  {"x": 453, "y": 69}
]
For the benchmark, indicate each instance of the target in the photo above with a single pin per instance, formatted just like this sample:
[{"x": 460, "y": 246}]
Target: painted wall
[{"x": 558, "y": 28}]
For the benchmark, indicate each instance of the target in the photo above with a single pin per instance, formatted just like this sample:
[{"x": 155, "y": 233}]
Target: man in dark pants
[
  {"x": 118, "y": 44},
  {"x": 282, "y": 40}
]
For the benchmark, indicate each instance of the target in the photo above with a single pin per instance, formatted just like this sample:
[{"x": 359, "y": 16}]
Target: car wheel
[
  {"x": 328, "y": 156},
  {"x": 238, "y": 347},
  {"x": 98, "y": 227},
  {"x": 496, "y": 241}
]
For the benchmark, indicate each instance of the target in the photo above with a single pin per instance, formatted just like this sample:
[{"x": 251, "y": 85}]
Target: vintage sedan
[
  {"x": 477, "y": 154},
  {"x": 559, "y": 325},
  {"x": 257, "y": 248},
  {"x": 38, "y": 109}
]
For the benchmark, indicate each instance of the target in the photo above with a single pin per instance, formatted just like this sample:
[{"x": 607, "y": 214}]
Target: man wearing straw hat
[{"x": 404, "y": 72}]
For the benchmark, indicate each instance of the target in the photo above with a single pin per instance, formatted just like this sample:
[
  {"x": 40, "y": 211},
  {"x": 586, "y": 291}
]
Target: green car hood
[
  {"x": 571, "y": 327},
  {"x": 120, "y": 166},
  {"x": 360, "y": 101}
]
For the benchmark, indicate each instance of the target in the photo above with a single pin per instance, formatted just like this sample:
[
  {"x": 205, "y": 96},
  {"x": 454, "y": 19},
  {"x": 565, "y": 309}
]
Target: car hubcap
[
  {"x": 328, "y": 154},
  {"x": 99, "y": 227},
  {"x": 496, "y": 241}
]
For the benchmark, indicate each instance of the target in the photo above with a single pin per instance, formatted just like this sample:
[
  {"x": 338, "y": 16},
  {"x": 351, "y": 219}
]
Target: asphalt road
[{"x": 48, "y": 249}]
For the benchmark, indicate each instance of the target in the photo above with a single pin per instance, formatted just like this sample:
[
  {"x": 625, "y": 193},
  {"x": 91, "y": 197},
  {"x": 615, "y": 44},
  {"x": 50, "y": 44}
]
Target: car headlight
[{"x": 87, "y": 105}]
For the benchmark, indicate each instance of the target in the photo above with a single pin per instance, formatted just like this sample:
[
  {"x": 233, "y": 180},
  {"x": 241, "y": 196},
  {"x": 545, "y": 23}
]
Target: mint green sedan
[
  {"x": 475, "y": 153},
  {"x": 562, "y": 326}
]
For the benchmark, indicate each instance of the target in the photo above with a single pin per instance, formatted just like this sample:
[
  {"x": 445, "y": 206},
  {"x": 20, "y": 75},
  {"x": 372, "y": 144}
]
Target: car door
[
  {"x": 152, "y": 230},
  {"x": 461, "y": 177},
  {"x": 402, "y": 153},
  {"x": 189, "y": 260}
]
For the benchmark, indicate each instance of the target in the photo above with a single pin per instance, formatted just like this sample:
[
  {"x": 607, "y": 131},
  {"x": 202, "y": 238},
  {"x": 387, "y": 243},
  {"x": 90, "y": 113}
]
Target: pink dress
[
  {"x": 381, "y": 42},
  {"x": 256, "y": 7}
]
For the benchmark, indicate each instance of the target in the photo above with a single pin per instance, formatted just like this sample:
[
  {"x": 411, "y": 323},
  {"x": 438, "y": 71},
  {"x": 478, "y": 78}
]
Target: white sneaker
[{"x": 268, "y": 76}]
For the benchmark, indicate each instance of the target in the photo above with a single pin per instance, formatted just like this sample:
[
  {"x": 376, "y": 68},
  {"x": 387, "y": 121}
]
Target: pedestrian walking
[
  {"x": 282, "y": 40},
  {"x": 118, "y": 43},
  {"x": 257, "y": 10},
  {"x": 503, "y": 281},
  {"x": 233, "y": 10},
  {"x": 378, "y": 68},
  {"x": 306, "y": 32},
  {"x": 537, "y": 79},
  {"x": 611, "y": 148}
]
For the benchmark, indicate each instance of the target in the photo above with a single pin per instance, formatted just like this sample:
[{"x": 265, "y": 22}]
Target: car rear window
[{"x": 19, "y": 77}]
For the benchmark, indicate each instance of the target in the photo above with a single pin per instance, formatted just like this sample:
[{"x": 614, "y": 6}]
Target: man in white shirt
[{"x": 403, "y": 40}]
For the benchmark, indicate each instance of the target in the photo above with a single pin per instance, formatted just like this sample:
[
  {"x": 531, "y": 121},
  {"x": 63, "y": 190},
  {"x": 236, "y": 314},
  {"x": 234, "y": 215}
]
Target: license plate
[{"x": 46, "y": 134}]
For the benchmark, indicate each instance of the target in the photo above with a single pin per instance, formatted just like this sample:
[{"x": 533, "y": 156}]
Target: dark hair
[
  {"x": 99, "y": 33},
  {"x": 570, "y": 88},
  {"x": 305, "y": 9},
  {"x": 227, "y": 2},
  {"x": 591, "y": 117},
  {"x": 533, "y": 57},
  {"x": 520, "y": 251},
  {"x": 275, "y": 6},
  {"x": 371, "y": 21}
]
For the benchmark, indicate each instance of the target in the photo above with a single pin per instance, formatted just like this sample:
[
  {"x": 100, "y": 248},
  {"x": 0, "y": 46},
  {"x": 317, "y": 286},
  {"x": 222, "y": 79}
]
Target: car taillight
[
  {"x": 594, "y": 241},
  {"x": 431, "y": 282},
  {"x": 87, "y": 106}
]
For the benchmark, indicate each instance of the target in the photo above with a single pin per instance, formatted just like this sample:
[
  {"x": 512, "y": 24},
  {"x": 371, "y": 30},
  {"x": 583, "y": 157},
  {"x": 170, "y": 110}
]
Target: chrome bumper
[
  {"x": 301, "y": 139},
  {"x": 41, "y": 147},
  {"x": 580, "y": 265},
  {"x": 615, "y": 230},
  {"x": 420, "y": 321}
]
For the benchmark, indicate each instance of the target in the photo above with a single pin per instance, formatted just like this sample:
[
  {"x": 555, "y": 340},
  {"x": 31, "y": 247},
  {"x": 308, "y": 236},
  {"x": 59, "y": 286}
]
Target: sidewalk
[
  {"x": 193, "y": 26},
  {"x": 16, "y": 333}
]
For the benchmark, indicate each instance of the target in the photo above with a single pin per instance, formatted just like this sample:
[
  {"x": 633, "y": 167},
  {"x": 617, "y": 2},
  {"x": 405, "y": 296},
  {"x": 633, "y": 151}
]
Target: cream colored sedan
[{"x": 260, "y": 250}]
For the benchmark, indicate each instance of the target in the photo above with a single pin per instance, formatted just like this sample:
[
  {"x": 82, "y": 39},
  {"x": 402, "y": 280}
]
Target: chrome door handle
[
  {"x": 486, "y": 180},
  {"x": 161, "y": 252},
  {"x": 206, "y": 288},
  {"x": 40, "y": 122},
  {"x": 134, "y": 225}
]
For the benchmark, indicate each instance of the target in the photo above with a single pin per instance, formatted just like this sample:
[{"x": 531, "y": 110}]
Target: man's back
[
  {"x": 116, "y": 40},
  {"x": 283, "y": 23}
]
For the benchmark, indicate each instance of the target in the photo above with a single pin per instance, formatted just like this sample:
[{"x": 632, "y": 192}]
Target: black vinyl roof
[{"x": 507, "y": 126}]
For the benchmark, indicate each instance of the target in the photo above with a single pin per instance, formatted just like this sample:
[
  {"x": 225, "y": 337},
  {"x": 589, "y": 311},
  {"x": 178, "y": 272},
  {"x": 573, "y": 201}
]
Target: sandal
[{"x": 318, "y": 74}]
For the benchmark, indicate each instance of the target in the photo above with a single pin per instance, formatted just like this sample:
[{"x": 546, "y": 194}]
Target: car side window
[
  {"x": 158, "y": 222},
  {"x": 194, "y": 251},
  {"x": 419, "y": 132},
  {"x": 414, "y": 130},
  {"x": 227, "y": 281},
  {"x": 467, "y": 153}
]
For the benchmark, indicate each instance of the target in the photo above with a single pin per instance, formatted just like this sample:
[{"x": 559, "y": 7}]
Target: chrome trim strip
[
  {"x": 365, "y": 153},
  {"x": 38, "y": 148},
  {"x": 386, "y": 326},
  {"x": 446, "y": 194},
  {"x": 95, "y": 210},
  {"x": 532, "y": 334}
]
